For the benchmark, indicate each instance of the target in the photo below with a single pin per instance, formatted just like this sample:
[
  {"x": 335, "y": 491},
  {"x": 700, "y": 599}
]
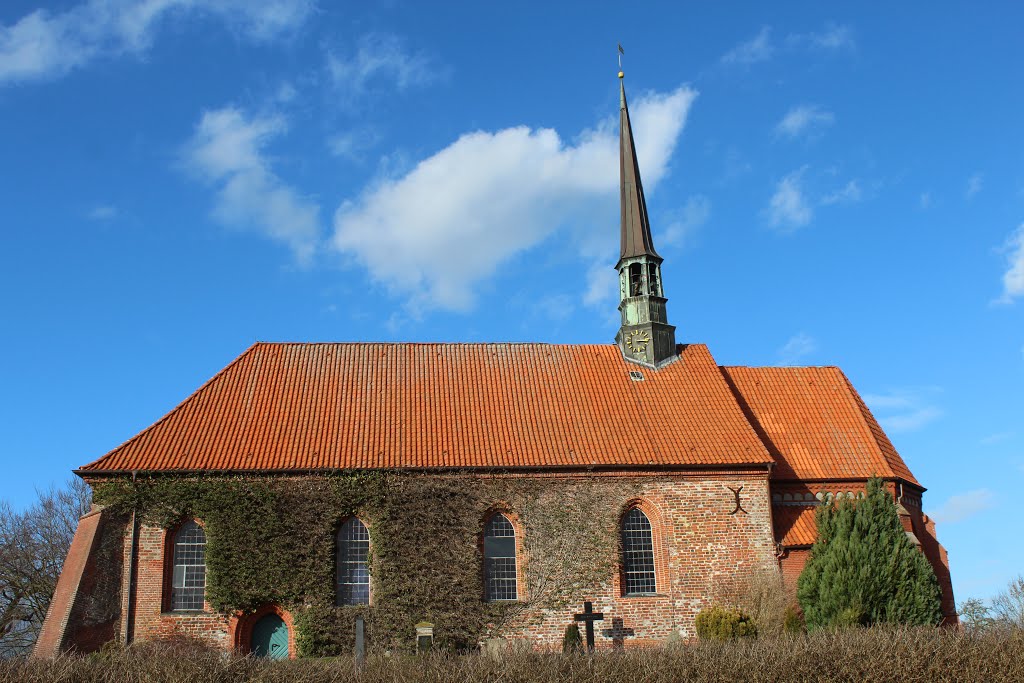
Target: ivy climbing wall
[{"x": 270, "y": 541}]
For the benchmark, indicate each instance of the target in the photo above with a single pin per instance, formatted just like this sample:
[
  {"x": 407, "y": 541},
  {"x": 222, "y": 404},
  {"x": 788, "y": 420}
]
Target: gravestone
[
  {"x": 360, "y": 642},
  {"x": 424, "y": 636}
]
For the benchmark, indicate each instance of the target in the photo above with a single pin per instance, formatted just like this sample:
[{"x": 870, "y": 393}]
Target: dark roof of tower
[{"x": 636, "y": 227}]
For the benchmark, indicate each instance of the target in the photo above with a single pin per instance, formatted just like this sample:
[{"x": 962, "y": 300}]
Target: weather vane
[{"x": 621, "y": 52}]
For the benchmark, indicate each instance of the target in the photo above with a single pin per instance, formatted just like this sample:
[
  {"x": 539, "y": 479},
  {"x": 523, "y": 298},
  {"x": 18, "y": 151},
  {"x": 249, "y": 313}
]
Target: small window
[
  {"x": 353, "y": 564},
  {"x": 638, "y": 554},
  {"x": 636, "y": 375},
  {"x": 500, "y": 559},
  {"x": 188, "y": 584}
]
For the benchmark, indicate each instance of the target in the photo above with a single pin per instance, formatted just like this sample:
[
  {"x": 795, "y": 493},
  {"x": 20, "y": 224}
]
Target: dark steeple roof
[{"x": 636, "y": 227}]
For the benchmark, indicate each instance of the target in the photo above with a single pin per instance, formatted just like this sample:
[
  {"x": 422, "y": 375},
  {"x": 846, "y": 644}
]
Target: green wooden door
[{"x": 270, "y": 637}]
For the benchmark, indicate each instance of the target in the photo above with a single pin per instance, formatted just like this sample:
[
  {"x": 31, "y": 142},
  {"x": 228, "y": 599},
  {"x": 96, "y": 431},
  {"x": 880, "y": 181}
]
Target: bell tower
[{"x": 645, "y": 335}]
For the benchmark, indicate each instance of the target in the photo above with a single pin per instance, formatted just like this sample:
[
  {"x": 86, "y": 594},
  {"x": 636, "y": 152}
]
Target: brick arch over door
[{"x": 241, "y": 625}]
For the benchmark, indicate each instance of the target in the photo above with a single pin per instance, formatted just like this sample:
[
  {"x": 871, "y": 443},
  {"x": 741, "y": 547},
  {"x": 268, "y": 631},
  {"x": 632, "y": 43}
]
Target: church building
[{"x": 641, "y": 477}]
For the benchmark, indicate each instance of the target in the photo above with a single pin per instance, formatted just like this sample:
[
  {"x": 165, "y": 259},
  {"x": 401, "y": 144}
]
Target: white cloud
[
  {"x": 903, "y": 410},
  {"x": 43, "y": 44},
  {"x": 964, "y": 505},
  {"x": 694, "y": 214},
  {"x": 804, "y": 118},
  {"x": 797, "y": 347},
  {"x": 353, "y": 144},
  {"x": 103, "y": 212},
  {"x": 832, "y": 37},
  {"x": 973, "y": 185},
  {"x": 556, "y": 307},
  {"x": 758, "y": 49},
  {"x": 848, "y": 194},
  {"x": 788, "y": 209},
  {"x": 227, "y": 150},
  {"x": 381, "y": 58},
  {"x": 602, "y": 285},
  {"x": 435, "y": 233},
  {"x": 998, "y": 437},
  {"x": 1013, "y": 278},
  {"x": 910, "y": 421}
]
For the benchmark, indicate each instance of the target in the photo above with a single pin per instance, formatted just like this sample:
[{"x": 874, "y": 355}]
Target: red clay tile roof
[
  {"x": 815, "y": 424},
  {"x": 301, "y": 407},
  {"x": 795, "y": 525}
]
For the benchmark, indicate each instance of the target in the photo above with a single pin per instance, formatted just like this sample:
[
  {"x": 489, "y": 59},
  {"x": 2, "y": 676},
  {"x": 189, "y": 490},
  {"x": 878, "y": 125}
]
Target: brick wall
[
  {"x": 53, "y": 635},
  {"x": 698, "y": 545},
  {"x": 149, "y": 617},
  {"x": 792, "y": 564},
  {"x": 699, "y": 548}
]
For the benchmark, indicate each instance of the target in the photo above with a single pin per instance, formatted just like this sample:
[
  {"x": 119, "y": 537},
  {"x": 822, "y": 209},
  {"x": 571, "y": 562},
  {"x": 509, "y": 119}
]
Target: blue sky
[{"x": 829, "y": 185}]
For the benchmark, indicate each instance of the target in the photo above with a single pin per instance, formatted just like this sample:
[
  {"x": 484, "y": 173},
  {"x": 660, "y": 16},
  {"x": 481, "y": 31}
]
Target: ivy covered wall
[{"x": 272, "y": 540}]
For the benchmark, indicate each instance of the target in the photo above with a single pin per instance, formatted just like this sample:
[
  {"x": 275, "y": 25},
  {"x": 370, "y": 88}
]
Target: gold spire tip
[{"x": 621, "y": 75}]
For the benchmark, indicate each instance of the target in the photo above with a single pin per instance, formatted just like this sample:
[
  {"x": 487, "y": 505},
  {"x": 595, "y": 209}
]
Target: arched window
[
  {"x": 188, "y": 581},
  {"x": 500, "y": 559},
  {"x": 353, "y": 563},
  {"x": 636, "y": 280},
  {"x": 638, "y": 554},
  {"x": 653, "y": 281}
]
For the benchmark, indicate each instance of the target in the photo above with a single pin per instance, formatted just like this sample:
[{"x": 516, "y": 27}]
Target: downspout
[{"x": 129, "y": 631}]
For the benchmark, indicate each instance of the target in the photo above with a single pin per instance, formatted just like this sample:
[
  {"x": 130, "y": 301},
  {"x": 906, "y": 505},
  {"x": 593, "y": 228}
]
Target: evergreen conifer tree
[{"x": 864, "y": 570}]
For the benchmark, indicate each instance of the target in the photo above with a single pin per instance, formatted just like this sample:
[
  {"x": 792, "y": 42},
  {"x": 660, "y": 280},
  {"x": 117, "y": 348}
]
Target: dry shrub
[
  {"x": 764, "y": 596},
  {"x": 869, "y": 654}
]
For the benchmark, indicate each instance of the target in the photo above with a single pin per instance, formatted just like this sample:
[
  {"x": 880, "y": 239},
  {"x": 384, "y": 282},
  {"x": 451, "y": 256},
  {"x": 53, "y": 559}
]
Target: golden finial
[{"x": 621, "y": 52}]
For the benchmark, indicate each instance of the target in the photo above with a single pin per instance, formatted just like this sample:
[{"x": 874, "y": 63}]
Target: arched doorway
[{"x": 270, "y": 637}]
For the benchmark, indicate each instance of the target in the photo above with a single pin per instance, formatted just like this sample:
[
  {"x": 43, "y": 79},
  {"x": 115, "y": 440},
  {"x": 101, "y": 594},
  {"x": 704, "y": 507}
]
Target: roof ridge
[
  {"x": 174, "y": 410},
  {"x": 426, "y": 343},
  {"x": 780, "y": 367}
]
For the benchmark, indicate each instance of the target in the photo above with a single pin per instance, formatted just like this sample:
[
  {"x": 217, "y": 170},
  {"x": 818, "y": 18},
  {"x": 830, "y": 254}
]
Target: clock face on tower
[{"x": 637, "y": 341}]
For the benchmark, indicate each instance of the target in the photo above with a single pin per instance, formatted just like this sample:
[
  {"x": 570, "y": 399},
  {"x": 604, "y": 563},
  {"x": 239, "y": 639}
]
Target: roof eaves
[{"x": 437, "y": 470}]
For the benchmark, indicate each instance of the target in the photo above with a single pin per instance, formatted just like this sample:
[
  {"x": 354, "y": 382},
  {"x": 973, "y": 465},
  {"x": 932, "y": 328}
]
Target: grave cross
[{"x": 589, "y": 616}]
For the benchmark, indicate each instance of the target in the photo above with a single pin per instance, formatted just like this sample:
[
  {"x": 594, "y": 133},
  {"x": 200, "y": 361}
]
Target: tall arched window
[
  {"x": 353, "y": 586},
  {"x": 500, "y": 559},
  {"x": 638, "y": 554},
  {"x": 653, "y": 281},
  {"x": 188, "y": 581}
]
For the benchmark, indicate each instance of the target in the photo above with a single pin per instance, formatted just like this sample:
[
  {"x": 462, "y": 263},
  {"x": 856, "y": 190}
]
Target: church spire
[
  {"x": 636, "y": 227},
  {"x": 645, "y": 336}
]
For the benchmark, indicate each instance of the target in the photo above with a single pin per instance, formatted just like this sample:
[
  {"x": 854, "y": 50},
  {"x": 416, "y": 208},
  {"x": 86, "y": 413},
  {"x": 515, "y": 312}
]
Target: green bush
[
  {"x": 720, "y": 623},
  {"x": 572, "y": 643},
  {"x": 863, "y": 570}
]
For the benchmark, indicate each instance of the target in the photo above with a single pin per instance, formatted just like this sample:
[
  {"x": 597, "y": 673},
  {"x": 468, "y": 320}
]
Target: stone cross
[{"x": 589, "y": 616}]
